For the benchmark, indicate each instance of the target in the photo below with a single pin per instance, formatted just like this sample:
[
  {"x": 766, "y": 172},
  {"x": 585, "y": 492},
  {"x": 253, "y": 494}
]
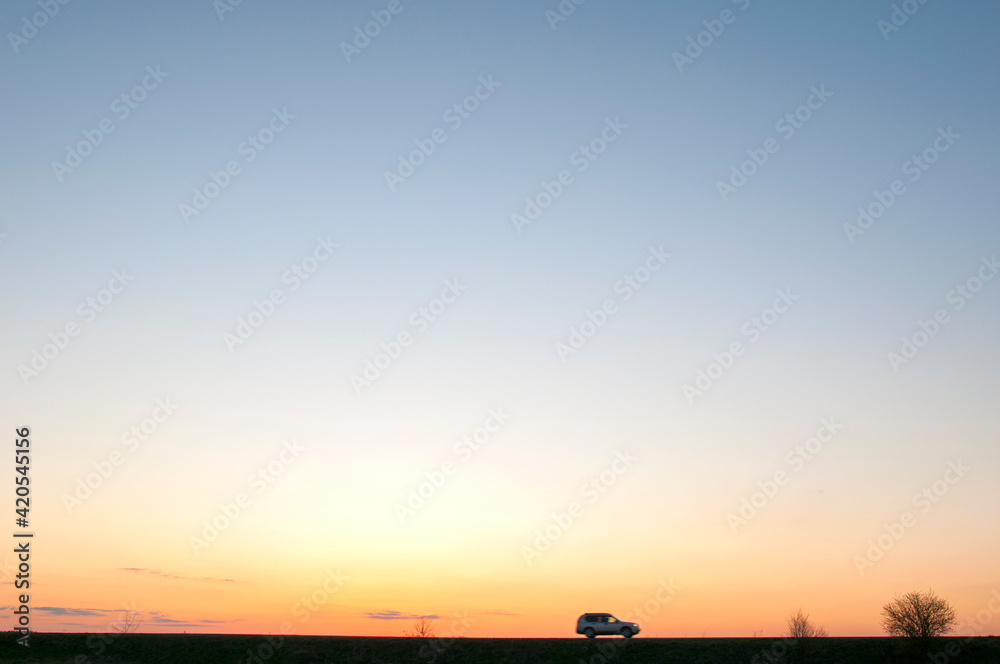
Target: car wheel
[
  {"x": 626, "y": 632},
  {"x": 589, "y": 632}
]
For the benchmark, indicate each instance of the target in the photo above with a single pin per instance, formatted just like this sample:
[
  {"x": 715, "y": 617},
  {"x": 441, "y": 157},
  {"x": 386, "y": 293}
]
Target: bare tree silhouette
[
  {"x": 423, "y": 628},
  {"x": 800, "y": 627},
  {"x": 129, "y": 621},
  {"x": 918, "y": 615}
]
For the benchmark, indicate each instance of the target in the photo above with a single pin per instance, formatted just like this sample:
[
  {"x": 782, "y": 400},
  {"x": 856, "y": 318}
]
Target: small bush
[{"x": 800, "y": 627}]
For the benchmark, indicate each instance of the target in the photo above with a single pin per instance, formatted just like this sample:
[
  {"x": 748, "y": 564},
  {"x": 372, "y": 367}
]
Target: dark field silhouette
[{"x": 216, "y": 649}]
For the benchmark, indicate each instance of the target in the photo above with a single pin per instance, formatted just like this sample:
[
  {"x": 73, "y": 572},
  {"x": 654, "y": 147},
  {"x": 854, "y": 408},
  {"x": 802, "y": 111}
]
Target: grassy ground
[{"x": 211, "y": 649}]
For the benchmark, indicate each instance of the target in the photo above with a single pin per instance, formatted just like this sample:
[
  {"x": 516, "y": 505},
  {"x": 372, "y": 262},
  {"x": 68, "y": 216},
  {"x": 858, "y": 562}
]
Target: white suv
[{"x": 593, "y": 624}]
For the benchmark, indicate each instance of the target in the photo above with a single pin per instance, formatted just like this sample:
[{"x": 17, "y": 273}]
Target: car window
[{"x": 611, "y": 619}]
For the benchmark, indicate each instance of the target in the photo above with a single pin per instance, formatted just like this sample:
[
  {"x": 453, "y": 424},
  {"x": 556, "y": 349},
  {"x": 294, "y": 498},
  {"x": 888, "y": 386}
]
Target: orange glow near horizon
[
  {"x": 335, "y": 559},
  {"x": 500, "y": 599}
]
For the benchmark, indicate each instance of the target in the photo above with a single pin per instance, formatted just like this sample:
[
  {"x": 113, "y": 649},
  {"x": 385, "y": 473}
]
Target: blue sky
[{"x": 656, "y": 185}]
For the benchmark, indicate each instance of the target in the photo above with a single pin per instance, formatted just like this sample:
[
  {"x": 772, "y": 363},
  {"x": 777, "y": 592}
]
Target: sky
[{"x": 323, "y": 317}]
